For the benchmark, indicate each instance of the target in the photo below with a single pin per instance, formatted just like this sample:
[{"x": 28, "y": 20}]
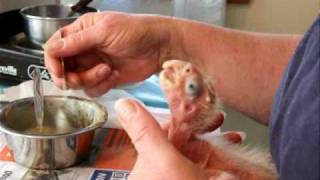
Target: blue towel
[{"x": 149, "y": 92}]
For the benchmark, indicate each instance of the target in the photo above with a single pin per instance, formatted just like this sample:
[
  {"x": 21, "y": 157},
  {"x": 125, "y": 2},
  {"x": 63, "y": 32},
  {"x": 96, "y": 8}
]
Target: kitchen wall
[
  {"x": 210, "y": 11},
  {"x": 274, "y": 16},
  {"x": 280, "y": 16}
]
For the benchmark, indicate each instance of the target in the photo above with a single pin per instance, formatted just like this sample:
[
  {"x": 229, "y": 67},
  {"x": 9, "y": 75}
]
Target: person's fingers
[
  {"x": 75, "y": 43},
  {"x": 53, "y": 64},
  {"x": 88, "y": 78},
  {"x": 236, "y": 137},
  {"x": 57, "y": 81},
  {"x": 70, "y": 45},
  {"x": 103, "y": 86},
  {"x": 87, "y": 60},
  {"x": 155, "y": 153},
  {"x": 76, "y": 26},
  {"x": 84, "y": 21},
  {"x": 143, "y": 130},
  {"x": 51, "y": 61}
]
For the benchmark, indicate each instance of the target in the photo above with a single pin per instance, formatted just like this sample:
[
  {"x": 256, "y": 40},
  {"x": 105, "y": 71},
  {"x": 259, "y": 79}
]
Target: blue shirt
[{"x": 295, "y": 117}]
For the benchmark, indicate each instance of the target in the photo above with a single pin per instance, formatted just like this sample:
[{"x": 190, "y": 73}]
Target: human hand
[
  {"x": 102, "y": 50},
  {"x": 159, "y": 159}
]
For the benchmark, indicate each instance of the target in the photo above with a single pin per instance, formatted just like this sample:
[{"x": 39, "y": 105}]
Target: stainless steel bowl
[
  {"x": 41, "y": 21},
  {"x": 69, "y": 126}
]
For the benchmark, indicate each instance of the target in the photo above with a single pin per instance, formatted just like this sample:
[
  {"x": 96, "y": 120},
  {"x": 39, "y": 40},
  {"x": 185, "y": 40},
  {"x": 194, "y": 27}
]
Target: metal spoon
[
  {"x": 65, "y": 85},
  {"x": 38, "y": 97}
]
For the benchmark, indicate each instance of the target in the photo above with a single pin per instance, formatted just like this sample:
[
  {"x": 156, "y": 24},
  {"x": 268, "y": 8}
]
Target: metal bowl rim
[
  {"x": 28, "y": 16},
  {"x": 10, "y": 131}
]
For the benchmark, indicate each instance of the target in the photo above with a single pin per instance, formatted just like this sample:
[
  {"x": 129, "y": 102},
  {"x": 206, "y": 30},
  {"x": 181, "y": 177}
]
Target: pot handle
[{"x": 80, "y": 5}]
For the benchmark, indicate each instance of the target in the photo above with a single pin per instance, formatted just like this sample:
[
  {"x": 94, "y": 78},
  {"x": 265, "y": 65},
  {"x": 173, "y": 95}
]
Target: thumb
[{"x": 145, "y": 133}]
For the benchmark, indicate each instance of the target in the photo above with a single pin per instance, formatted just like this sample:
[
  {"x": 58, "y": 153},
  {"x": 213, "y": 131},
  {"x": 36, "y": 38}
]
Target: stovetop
[
  {"x": 20, "y": 43},
  {"x": 19, "y": 57}
]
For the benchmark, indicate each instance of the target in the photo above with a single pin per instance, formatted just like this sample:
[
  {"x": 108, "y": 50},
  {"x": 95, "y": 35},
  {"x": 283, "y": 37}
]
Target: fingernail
[
  {"x": 125, "y": 109},
  {"x": 103, "y": 71},
  {"x": 58, "y": 44}
]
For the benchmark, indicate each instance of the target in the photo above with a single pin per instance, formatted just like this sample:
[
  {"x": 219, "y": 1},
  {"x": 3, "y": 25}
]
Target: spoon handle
[
  {"x": 38, "y": 97},
  {"x": 65, "y": 85}
]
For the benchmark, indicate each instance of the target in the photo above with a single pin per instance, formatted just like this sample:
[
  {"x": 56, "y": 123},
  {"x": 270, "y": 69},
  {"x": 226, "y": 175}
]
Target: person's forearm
[{"x": 245, "y": 67}]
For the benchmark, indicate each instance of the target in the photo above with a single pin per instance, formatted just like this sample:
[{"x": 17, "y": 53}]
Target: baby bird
[
  {"x": 192, "y": 101},
  {"x": 194, "y": 106}
]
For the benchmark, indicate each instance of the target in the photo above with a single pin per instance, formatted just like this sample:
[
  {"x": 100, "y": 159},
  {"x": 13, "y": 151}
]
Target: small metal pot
[
  {"x": 41, "y": 21},
  {"x": 69, "y": 126}
]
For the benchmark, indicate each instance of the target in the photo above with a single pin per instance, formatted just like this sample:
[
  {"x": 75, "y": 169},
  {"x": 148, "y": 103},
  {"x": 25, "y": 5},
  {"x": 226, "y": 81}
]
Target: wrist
[
  {"x": 193, "y": 42},
  {"x": 172, "y": 45}
]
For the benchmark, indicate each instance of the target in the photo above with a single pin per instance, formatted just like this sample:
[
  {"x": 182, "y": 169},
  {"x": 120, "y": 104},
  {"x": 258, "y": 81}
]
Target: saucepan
[
  {"x": 41, "y": 21},
  {"x": 69, "y": 125}
]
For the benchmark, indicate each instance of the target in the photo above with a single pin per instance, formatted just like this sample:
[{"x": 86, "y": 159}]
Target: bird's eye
[{"x": 192, "y": 88}]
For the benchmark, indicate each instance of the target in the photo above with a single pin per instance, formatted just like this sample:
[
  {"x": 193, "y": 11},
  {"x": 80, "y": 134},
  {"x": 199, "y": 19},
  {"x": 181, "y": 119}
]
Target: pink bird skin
[{"x": 195, "y": 109}]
